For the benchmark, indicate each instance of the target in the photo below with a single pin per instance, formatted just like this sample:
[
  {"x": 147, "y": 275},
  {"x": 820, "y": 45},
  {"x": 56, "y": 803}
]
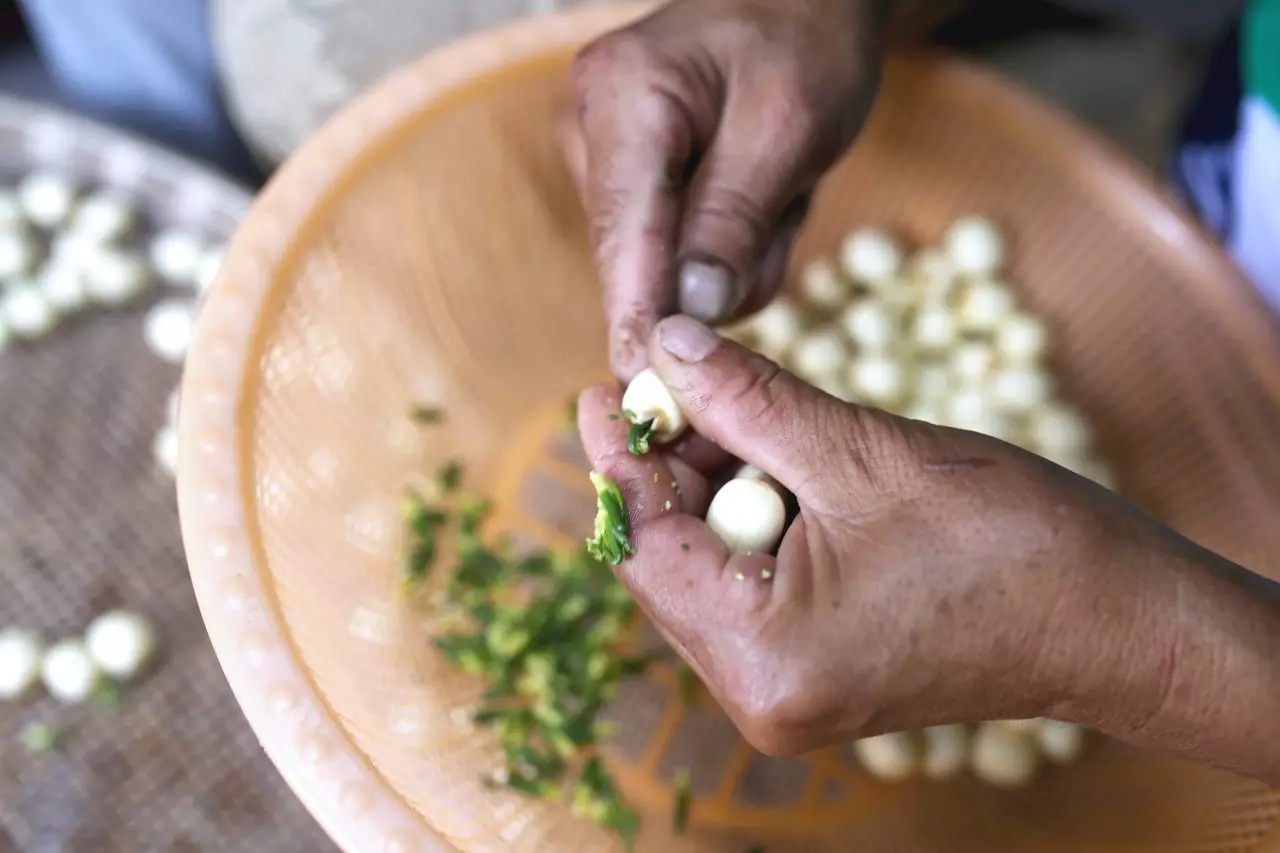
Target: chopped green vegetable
[
  {"x": 638, "y": 437},
  {"x": 612, "y": 540},
  {"x": 684, "y": 546},
  {"x": 543, "y": 632},
  {"x": 108, "y": 695},
  {"x": 684, "y": 800},
  {"x": 686, "y": 685},
  {"x": 38, "y": 738}
]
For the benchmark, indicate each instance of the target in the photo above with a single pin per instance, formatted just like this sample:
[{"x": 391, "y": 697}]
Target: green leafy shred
[
  {"x": 639, "y": 436},
  {"x": 543, "y": 630},
  {"x": 684, "y": 801},
  {"x": 39, "y": 738},
  {"x": 612, "y": 540}
]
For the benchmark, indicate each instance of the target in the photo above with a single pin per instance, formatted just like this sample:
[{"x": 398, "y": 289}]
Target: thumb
[{"x": 812, "y": 443}]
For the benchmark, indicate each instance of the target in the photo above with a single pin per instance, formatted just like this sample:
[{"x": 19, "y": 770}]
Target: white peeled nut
[
  {"x": 1021, "y": 338},
  {"x": 877, "y": 378},
  {"x": 27, "y": 312},
  {"x": 176, "y": 254},
  {"x": 822, "y": 285},
  {"x": 18, "y": 252},
  {"x": 1003, "y": 757},
  {"x": 120, "y": 643},
  {"x": 114, "y": 277},
  {"x": 946, "y": 749},
  {"x": 69, "y": 674},
  {"x": 934, "y": 328},
  {"x": 751, "y": 472},
  {"x": 890, "y": 757},
  {"x": 777, "y": 327},
  {"x": 748, "y": 515},
  {"x": 870, "y": 324},
  {"x": 647, "y": 398},
  {"x": 47, "y": 199},
  {"x": 870, "y": 256},
  {"x": 20, "y": 655},
  {"x": 972, "y": 362},
  {"x": 1024, "y": 725},
  {"x": 104, "y": 216},
  {"x": 983, "y": 305},
  {"x": 818, "y": 355},
  {"x": 1057, "y": 431},
  {"x": 934, "y": 383},
  {"x": 1061, "y": 743},
  {"x": 164, "y": 447},
  {"x": 975, "y": 246},
  {"x": 168, "y": 329},
  {"x": 1021, "y": 389},
  {"x": 63, "y": 286},
  {"x": 931, "y": 271}
]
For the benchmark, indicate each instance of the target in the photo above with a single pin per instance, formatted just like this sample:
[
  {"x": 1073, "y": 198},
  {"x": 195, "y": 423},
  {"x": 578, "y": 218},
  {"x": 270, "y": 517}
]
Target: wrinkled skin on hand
[
  {"x": 698, "y": 137},
  {"x": 933, "y": 575}
]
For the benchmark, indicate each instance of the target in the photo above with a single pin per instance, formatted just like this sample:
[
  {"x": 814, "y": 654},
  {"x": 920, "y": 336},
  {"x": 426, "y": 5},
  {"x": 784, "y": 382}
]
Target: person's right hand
[
  {"x": 699, "y": 136},
  {"x": 933, "y": 576}
]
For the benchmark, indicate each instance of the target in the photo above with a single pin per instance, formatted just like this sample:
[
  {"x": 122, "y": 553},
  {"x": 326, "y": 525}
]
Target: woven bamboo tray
[{"x": 426, "y": 246}]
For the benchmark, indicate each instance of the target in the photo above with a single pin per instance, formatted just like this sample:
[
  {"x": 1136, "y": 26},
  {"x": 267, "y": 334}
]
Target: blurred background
[{"x": 89, "y": 523}]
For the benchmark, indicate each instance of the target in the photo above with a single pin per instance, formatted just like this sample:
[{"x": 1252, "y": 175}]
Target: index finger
[{"x": 636, "y": 142}]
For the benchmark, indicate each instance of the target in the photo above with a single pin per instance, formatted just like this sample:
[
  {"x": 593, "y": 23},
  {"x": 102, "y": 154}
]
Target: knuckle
[
  {"x": 732, "y": 212},
  {"x": 775, "y": 715},
  {"x": 765, "y": 396}
]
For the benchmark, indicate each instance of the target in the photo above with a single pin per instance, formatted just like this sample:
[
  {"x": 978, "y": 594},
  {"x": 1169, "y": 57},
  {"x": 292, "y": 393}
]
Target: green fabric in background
[{"x": 1260, "y": 51}]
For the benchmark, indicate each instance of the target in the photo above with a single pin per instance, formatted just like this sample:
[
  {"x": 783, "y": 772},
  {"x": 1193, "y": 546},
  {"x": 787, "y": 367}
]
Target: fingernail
[
  {"x": 706, "y": 290},
  {"x": 686, "y": 339}
]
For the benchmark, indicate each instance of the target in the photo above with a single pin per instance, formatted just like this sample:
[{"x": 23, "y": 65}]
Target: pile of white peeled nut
[
  {"x": 936, "y": 335},
  {"x": 66, "y": 249},
  {"x": 115, "y": 648}
]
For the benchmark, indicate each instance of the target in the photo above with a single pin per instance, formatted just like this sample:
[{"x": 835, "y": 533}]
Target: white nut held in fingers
[
  {"x": 975, "y": 245},
  {"x": 69, "y": 674},
  {"x": 120, "y": 643},
  {"x": 1061, "y": 743},
  {"x": 777, "y": 327},
  {"x": 945, "y": 750},
  {"x": 647, "y": 398},
  {"x": 20, "y": 654},
  {"x": 1003, "y": 757},
  {"x": 891, "y": 757},
  {"x": 748, "y": 515},
  {"x": 818, "y": 355},
  {"x": 870, "y": 256},
  {"x": 822, "y": 285}
]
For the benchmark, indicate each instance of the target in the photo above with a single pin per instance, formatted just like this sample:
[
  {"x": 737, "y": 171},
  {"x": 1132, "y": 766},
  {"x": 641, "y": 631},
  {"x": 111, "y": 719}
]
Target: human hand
[
  {"x": 699, "y": 136},
  {"x": 932, "y": 575}
]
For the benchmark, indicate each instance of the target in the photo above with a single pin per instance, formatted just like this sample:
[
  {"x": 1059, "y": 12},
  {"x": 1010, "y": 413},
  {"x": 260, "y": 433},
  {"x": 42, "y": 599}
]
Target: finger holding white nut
[{"x": 748, "y": 515}]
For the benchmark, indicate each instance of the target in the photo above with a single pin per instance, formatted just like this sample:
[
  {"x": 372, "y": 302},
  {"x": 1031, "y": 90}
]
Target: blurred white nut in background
[
  {"x": 1002, "y": 756},
  {"x": 164, "y": 447},
  {"x": 176, "y": 254},
  {"x": 934, "y": 328},
  {"x": 69, "y": 674},
  {"x": 870, "y": 256},
  {"x": 870, "y": 324},
  {"x": 47, "y": 199},
  {"x": 972, "y": 361},
  {"x": 975, "y": 246},
  {"x": 891, "y": 757},
  {"x": 1021, "y": 338},
  {"x": 1021, "y": 389},
  {"x": 20, "y": 655},
  {"x": 877, "y": 378},
  {"x": 114, "y": 277},
  {"x": 26, "y": 312},
  {"x": 984, "y": 304},
  {"x": 208, "y": 268},
  {"x": 168, "y": 329},
  {"x": 63, "y": 286},
  {"x": 11, "y": 215},
  {"x": 946, "y": 749},
  {"x": 1058, "y": 431},
  {"x": 777, "y": 327},
  {"x": 120, "y": 643},
  {"x": 18, "y": 252},
  {"x": 103, "y": 217},
  {"x": 818, "y": 355},
  {"x": 822, "y": 285}
]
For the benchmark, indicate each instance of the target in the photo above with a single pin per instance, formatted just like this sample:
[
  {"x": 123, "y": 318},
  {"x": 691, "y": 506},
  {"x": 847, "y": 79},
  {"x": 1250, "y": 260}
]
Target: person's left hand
[{"x": 932, "y": 576}]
